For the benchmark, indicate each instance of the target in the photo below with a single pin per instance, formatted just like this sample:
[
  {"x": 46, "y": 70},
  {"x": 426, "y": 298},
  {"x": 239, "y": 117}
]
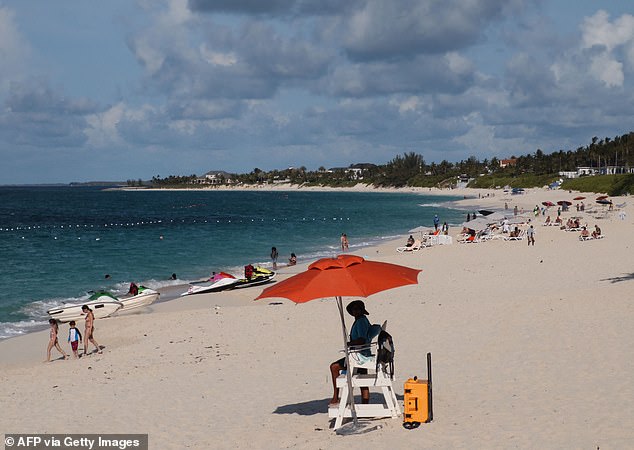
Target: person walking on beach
[
  {"x": 530, "y": 235},
  {"x": 89, "y": 330},
  {"x": 53, "y": 342},
  {"x": 74, "y": 337},
  {"x": 344, "y": 242},
  {"x": 274, "y": 256},
  {"x": 436, "y": 222}
]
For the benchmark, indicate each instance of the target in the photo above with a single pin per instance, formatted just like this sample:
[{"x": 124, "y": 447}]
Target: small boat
[
  {"x": 101, "y": 307},
  {"x": 144, "y": 297},
  {"x": 254, "y": 276},
  {"x": 219, "y": 282}
]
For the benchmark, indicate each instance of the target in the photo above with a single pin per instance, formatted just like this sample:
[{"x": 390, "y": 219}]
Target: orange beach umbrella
[{"x": 345, "y": 275}]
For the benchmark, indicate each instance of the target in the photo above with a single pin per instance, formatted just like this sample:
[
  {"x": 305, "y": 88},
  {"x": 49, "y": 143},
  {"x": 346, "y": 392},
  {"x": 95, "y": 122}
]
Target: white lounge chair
[
  {"x": 414, "y": 248},
  {"x": 519, "y": 237},
  {"x": 590, "y": 238}
]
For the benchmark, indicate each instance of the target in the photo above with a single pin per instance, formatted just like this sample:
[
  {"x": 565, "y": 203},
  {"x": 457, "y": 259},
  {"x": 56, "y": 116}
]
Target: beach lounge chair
[
  {"x": 468, "y": 238},
  {"x": 376, "y": 377},
  {"x": 491, "y": 236},
  {"x": 414, "y": 248},
  {"x": 519, "y": 237},
  {"x": 591, "y": 238}
]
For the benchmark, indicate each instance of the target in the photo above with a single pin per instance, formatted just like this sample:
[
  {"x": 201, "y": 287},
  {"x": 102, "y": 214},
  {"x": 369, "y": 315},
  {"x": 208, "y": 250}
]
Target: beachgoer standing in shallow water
[
  {"x": 274, "y": 256},
  {"x": 53, "y": 342},
  {"x": 89, "y": 330},
  {"x": 344, "y": 242}
]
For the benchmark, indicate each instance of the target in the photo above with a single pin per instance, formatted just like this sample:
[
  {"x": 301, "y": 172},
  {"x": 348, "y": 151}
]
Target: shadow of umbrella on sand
[{"x": 345, "y": 275}]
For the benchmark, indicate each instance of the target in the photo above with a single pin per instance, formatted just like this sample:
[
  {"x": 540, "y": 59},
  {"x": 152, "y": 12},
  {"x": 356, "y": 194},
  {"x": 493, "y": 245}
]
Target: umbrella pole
[{"x": 350, "y": 399}]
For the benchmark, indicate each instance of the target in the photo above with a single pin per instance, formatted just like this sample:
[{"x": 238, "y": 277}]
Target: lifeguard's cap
[{"x": 359, "y": 304}]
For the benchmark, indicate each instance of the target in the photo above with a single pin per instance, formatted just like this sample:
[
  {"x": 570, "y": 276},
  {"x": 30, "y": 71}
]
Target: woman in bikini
[
  {"x": 89, "y": 330},
  {"x": 53, "y": 341}
]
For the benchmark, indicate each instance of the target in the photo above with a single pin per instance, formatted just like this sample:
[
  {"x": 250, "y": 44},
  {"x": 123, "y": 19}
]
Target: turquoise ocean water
[{"x": 58, "y": 243}]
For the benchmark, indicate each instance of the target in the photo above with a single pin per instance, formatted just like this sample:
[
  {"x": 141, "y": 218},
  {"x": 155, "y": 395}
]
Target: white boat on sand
[
  {"x": 104, "y": 304},
  {"x": 144, "y": 297},
  {"x": 101, "y": 307}
]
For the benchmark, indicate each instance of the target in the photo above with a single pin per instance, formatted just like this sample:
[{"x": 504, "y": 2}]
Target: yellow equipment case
[{"x": 417, "y": 402}]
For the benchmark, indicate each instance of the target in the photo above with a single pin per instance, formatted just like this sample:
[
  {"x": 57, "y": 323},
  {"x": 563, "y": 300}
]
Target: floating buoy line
[{"x": 73, "y": 227}]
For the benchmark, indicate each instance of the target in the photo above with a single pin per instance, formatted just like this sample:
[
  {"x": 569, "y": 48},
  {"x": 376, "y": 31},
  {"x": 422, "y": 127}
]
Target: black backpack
[{"x": 385, "y": 353}]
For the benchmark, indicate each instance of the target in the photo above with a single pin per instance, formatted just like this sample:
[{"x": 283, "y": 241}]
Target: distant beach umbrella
[
  {"x": 477, "y": 224},
  {"x": 603, "y": 201},
  {"x": 602, "y": 197},
  {"x": 580, "y": 197},
  {"x": 421, "y": 229},
  {"x": 495, "y": 217},
  {"x": 548, "y": 204},
  {"x": 516, "y": 220},
  {"x": 564, "y": 202}
]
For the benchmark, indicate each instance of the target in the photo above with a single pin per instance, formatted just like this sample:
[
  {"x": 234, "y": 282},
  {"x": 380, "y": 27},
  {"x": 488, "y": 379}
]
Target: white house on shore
[
  {"x": 591, "y": 171},
  {"x": 216, "y": 177}
]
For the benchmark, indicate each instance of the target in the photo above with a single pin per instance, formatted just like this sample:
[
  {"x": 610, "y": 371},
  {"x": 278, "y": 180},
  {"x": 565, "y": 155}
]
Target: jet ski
[
  {"x": 254, "y": 275},
  {"x": 218, "y": 282}
]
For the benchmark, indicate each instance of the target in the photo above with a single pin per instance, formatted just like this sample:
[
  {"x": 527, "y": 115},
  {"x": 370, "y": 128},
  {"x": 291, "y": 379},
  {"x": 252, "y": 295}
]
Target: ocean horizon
[{"x": 60, "y": 242}]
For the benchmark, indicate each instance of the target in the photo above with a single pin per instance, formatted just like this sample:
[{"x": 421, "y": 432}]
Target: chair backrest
[{"x": 373, "y": 332}]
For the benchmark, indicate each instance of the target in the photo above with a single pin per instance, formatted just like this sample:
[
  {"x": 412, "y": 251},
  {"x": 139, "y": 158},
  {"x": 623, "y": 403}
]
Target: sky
[{"x": 131, "y": 89}]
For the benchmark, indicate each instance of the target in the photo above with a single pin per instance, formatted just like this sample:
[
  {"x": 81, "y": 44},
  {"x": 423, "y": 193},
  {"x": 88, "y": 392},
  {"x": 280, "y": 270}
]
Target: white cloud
[
  {"x": 613, "y": 41},
  {"x": 608, "y": 70},
  {"x": 218, "y": 58},
  {"x": 102, "y": 127},
  {"x": 178, "y": 12},
  {"x": 459, "y": 64},
  {"x": 14, "y": 49},
  {"x": 598, "y": 30},
  {"x": 481, "y": 138},
  {"x": 410, "y": 104}
]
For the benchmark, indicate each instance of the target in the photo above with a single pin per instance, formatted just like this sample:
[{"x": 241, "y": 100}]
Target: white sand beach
[{"x": 531, "y": 346}]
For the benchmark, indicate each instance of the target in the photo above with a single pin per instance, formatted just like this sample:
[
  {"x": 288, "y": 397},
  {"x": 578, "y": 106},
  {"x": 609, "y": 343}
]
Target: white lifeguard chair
[{"x": 377, "y": 377}]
